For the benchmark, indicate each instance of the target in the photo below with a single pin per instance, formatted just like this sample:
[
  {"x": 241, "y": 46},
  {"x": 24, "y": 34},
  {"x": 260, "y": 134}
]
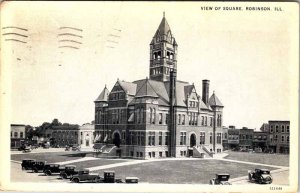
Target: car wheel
[
  {"x": 64, "y": 176},
  {"x": 250, "y": 177},
  {"x": 48, "y": 173},
  {"x": 76, "y": 180},
  {"x": 35, "y": 170},
  {"x": 211, "y": 182},
  {"x": 269, "y": 180}
]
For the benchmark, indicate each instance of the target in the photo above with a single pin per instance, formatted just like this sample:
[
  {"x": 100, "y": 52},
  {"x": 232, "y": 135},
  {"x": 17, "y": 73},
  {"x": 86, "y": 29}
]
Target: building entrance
[
  {"x": 117, "y": 139},
  {"x": 192, "y": 140}
]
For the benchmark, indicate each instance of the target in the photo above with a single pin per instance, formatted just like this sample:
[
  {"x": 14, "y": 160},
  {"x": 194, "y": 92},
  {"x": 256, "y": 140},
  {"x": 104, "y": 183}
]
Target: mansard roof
[
  {"x": 103, "y": 95},
  {"x": 214, "y": 101}
]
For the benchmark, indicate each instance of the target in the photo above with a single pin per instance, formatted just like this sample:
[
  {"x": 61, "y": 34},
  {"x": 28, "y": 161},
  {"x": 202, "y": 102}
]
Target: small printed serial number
[{"x": 275, "y": 188}]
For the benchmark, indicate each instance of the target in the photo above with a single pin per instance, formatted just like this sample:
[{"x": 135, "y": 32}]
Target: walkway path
[
  {"x": 251, "y": 163},
  {"x": 77, "y": 160}
]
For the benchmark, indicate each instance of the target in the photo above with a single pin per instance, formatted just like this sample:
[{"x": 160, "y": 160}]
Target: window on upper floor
[
  {"x": 287, "y": 138},
  {"x": 282, "y": 129},
  {"x": 160, "y": 138},
  {"x": 179, "y": 119},
  {"x": 277, "y": 128},
  {"x": 167, "y": 119},
  {"x": 183, "y": 120},
  {"x": 211, "y": 121},
  {"x": 210, "y": 138},
  {"x": 21, "y": 134},
  {"x": 15, "y": 134},
  {"x": 287, "y": 128},
  {"x": 167, "y": 138},
  {"x": 205, "y": 121},
  {"x": 160, "y": 118}
]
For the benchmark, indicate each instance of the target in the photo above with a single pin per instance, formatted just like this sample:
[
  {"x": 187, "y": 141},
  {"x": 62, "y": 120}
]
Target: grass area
[
  {"x": 271, "y": 159},
  {"x": 182, "y": 171},
  {"x": 50, "y": 157},
  {"x": 98, "y": 162}
]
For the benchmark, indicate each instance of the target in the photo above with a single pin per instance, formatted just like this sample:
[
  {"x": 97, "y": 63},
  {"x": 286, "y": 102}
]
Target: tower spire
[{"x": 163, "y": 14}]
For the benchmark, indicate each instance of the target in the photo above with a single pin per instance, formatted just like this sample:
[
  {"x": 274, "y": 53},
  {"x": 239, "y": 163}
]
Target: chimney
[
  {"x": 205, "y": 91},
  {"x": 172, "y": 113}
]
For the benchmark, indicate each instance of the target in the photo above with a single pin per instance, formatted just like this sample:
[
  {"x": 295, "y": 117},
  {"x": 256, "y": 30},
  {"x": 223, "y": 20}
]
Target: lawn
[
  {"x": 271, "y": 159},
  {"x": 182, "y": 171},
  {"x": 98, "y": 162},
  {"x": 50, "y": 157}
]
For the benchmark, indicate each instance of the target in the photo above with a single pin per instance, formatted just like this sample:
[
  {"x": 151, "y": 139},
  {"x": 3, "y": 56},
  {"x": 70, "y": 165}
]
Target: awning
[{"x": 131, "y": 118}]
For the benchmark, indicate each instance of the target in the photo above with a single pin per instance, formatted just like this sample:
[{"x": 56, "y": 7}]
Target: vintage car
[
  {"x": 50, "y": 169},
  {"x": 109, "y": 177},
  {"x": 261, "y": 176},
  {"x": 38, "y": 166},
  {"x": 86, "y": 177},
  {"x": 131, "y": 180},
  {"x": 76, "y": 147},
  {"x": 220, "y": 179},
  {"x": 70, "y": 171},
  {"x": 27, "y": 164}
]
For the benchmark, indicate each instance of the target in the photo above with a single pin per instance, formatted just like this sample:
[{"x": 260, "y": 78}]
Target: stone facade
[{"x": 160, "y": 116}]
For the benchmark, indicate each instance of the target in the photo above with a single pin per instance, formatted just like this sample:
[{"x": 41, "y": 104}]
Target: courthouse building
[{"x": 159, "y": 116}]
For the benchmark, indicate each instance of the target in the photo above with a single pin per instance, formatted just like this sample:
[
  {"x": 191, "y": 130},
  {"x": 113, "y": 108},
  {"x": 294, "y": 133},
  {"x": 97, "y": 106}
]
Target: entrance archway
[
  {"x": 117, "y": 139},
  {"x": 192, "y": 140}
]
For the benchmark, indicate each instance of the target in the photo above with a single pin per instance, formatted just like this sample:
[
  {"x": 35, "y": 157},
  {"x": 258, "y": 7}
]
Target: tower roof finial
[{"x": 163, "y": 14}]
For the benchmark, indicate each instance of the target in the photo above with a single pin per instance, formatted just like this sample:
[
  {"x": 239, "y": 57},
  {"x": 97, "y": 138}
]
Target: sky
[{"x": 248, "y": 56}]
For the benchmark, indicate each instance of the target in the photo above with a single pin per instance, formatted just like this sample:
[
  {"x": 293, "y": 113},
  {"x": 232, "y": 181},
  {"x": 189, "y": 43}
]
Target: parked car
[
  {"x": 261, "y": 176},
  {"x": 38, "y": 166},
  {"x": 50, "y": 169},
  {"x": 220, "y": 179},
  {"x": 86, "y": 177},
  {"x": 70, "y": 171},
  {"x": 27, "y": 164},
  {"x": 76, "y": 147},
  {"x": 27, "y": 149},
  {"x": 109, "y": 177},
  {"x": 131, "y": 180}
]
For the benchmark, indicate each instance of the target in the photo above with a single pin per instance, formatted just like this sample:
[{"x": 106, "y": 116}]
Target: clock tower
[{"x": 163, "y": 53}]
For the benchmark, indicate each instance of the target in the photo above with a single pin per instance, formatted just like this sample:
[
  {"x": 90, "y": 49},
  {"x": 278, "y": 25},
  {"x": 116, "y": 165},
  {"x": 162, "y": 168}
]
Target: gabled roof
[
  {"x": 203, "y": 105},
  {"x": 146, "y": 90},
  {"x": 214, "y": 101},
  {"x": 103, "y": 95},
  {"x": 128, "y": 87}
]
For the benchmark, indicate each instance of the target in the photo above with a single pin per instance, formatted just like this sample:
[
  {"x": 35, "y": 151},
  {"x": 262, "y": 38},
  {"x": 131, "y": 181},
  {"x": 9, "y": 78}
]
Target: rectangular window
[
  {"x": 205, "y": 121},
  {"x": 202, "y": 138},
  {"x": 160, "y": 138},
  {"x": 142, "y": 138},
  {"x": 179, "y": 119},
  {"x": 211, "y": 122},
  {"x": 183, "y": 120},
  {"x": 287, "y": 128},
  {"x": 166, "y": 153},
  {"x": 210, "y": 138},
  {"x": 149, "y": 154},
  {"x": 202, "y": 120},
  {"x": 153, "y": 154},
  {"x": 160, "y": 154},
  {"x": 218, "y": 138},
  {"x": 277, "y": 128},
  {"x": 141, "y": 154},
  {"x": 160, "y": 118},
  {"x": 288, "y": 139},
  {"x": 137, "y": 154},
  {"x": 181, "y": 153},
  {"x": 21, "y": 134},
  {"x": 167, "y": 138},
  {"x": 190, "y": 118},
  {"x": 282, "y": 138}
]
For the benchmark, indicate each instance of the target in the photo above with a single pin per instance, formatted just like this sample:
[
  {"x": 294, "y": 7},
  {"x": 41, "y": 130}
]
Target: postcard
[{"x": 149, "y": 96}]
